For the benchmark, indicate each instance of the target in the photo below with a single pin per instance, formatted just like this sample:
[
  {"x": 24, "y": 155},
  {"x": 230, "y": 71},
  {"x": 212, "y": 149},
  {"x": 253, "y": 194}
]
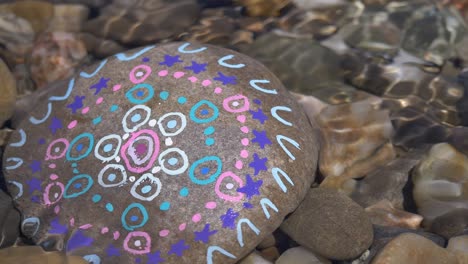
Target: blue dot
[
  {"x": 140, "y": 93},
  {"x": 79, "y": 147},
  {"x": 182, "y": 100},
  {"x": 204, "y": 112},
  {"x": 165, "y": 206},
  {"x": 109, "y": 207},
  {"x": 111, "y": 177},
  {"x": 96, "y": 198},
  {"x": 172, "y": 161},
  {"x": 172, "y": 124},
  {"x": 133, "y": 218},
  {"x": 114, "y": 108},
  {"x": 204, "y": 170},
  {"x": 146, "y": 189},
  {"x": 184, "y": 192},
  {"x": 209, "y": 141},
  {"x": 136, "y": 118},
  {"x": 164, "y": 95},
  {"x": 77, "y": 185},
  {"x": 108, "y": 147},
  {"x": 209, "y": 130}
]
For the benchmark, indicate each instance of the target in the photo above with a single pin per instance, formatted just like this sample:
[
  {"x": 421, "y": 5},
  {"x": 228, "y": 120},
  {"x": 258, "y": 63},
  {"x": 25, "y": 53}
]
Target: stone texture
[
  {"x": 330, "y": 224},
  {"x": 69, "y": 17},
  {"x": 9, "y": 221},
  {"x": 355, "y": 141},
  {"x": 139, "y": 22},
  {"x": 411, "y": 248},
  {"x": 269, "y": 241},
  {"x": 387, "y": 182},
  {"x": 254, "y": 258},
  {"x": 265, "y": 8},
  {"x": 440, "y": 182},
  {"x": 8, "y": 93},
  {"x": 55, "y": 56},
  {"x": 451, "y": 224},
  {"x": 36, "y": 255},
  {"x": 205, "y": 162},
  {"x": 459, "y": 243},
  {"x": 16, "y": 37},
  {"x": 270, "y": 254},
  {"x": 38, "y": 13},
  {"x": 300, "y": 255},
  {"x": 385, "y": 214}
]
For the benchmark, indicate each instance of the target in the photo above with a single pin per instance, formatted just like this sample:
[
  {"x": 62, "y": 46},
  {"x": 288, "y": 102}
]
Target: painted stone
[{"x": 183, "y": 153}]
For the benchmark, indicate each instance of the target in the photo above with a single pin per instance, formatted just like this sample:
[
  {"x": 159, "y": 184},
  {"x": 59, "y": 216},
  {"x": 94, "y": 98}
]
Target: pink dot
[
  {"x": 192, "y": 79},
  {"x": 196, "y": 218},
  {"x": 177, "y": 75},
  {"x": 116, "y": 87},
  {"x": 163, "y": 233},
  {"x": 245, "y": 142},
  {"x": 210, "y": 205},
  {"x": 99, "y": 100},
  {"x": 245, "y": 129},
  {"x": 182, "y": 226},
  {"x": 241, "y": 118},
  {"x": 72, "y": 124},
  {"x": 86, "y": 226},
  {"x": 244, "y": 153},
  {"x": 239, "y": 164},
  {"x": 53, "y": 177},
  {"x": 104, "y": 230},
  {"x": 52, "y": 166},
  {"x": 72, "y": 221},
  {"x": 206, "y": 83},
  {"x": 162, "y": 73},
  {"x": 116, "y": 235},
  {"x": 85, "y": 110},
  {"x": 57, "y": 209},
  {"x": 218, "y": 90}
]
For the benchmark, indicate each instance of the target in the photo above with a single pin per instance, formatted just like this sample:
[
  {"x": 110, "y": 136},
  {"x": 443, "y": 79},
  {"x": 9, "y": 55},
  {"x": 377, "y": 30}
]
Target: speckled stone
[
  {"x": 181, "y": 152},
  {"x": 8, "y": 93},
  {"x": 36, "y": 255},
  {"x": 330, "y": 224},
  {"x": 300, "y": 255}
]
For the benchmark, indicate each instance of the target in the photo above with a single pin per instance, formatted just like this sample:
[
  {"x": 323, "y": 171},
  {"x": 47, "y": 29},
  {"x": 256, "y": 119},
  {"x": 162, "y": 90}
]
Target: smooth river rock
[
  {"x": 330, "y": 224},
  {"x": 181, "y": 152}
]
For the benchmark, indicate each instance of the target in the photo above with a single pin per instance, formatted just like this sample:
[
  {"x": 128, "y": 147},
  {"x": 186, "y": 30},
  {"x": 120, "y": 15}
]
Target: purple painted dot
[
  {"x": 257, "y": 101},
  {"x": 42, "y": 141},
  {"x": 145, "y": 59}
]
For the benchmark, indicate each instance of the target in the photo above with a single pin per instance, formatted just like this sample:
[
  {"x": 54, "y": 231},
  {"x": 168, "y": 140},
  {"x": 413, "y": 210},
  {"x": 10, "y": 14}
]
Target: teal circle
[
  {"x": 184, "y": 192},
  {"x": 72, "y": 146},
  {"x": 165, "y": 206},
  {"x": 96, "y": 198},
  {"x": 132, "y": 99},
  {"x": 182, "y": 100},
  {"x": 198, "y": 105},
  {"x": 212, "y": 177},
  {"x": 209, "y": 130},
  {"x": 109, "y": 207},
  {"x": 143, "y": 211},
  {"x": 164, "y": 95},
  {"x": 209, "y": 141},
  {"x": 72, "y": 181}
]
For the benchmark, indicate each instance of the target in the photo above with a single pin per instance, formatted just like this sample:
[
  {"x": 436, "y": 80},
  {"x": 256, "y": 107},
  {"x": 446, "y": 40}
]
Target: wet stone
[{"x": 182, "y": 153}]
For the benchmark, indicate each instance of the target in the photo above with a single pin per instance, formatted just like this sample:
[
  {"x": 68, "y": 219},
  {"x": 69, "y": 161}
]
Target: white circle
[
  {"x": 113, "y": 166},
  {"x": 229, "y": 186},
  {"x": 168, "y": 141},
  {"x": 144, "y": 179},
  {"x": 152, "y": 122},
  {"x": 183, "y": 157},
  {"x": 102, "y": 141},
  {"x": 134, "y": 126},
  {"x": 183, "y": 123},
  {"x": 125, "y": 136},
  {"x": 132, "y": 178}
]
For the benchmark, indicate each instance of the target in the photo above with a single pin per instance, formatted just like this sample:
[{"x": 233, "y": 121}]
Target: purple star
[
  {"x": 258, "y": 164},
  {"x": 259, "y": 115},
  {"x": 145, "y": 59},
  {"x": 170, "y": 60},
  {"x": 204, "y": 235},
  {"x": 251, "y": 187},
  {"x": 155, "y": 258},
  {"x": 55, "y": 125},
  {"x": 257, "y": 101},
  {"x": 226, "y": 79},
  {"x": 178, "y": 248},
  {"x": 34, "y": 184},
  {"x": 77, "y": 103},
  {"x": 100, "y": 85},
  {"x": 196, "y": 67},
  {"x": 79, "y": 240},
  {"x": 229, "y": 219},
  {"x": 261, "y": 138},
  {"x": 112, "y": 251},
  {"x": 35, "y": 166},
  {"x": 57, "y": 228}
]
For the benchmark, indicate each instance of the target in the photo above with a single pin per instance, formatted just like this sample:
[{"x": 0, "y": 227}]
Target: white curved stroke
[
  {"x": 123, "y": 57},
  {"x": 223, "y": 62},
  {"x": 146, "y": 177},
  {"x": 71, "y": 84},
  {"x": 22, "y": 140},
  {"x": 89, "y": 75},
  {"x": 36, "y": 121},
  {"x": 183, "y": 49}
]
